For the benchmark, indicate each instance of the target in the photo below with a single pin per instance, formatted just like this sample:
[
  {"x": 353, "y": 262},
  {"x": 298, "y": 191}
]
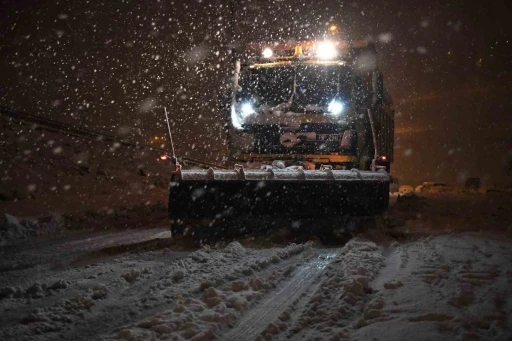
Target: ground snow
[
  {"x": 205, "y": 310},
  {"x": 207, "y": 292},
  {"x": 448, "y": 287},
  {"x": 445, "y": 284},
  {"x": 340, "y": 297},
  {"x": 451, "y": 286}
]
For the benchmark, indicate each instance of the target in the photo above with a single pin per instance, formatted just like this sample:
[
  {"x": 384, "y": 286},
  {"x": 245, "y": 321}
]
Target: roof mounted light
[
  {"x": 326, "y": 50},
  {"x": 267, "y": 52},
  {"x": 333, "y": 30}
]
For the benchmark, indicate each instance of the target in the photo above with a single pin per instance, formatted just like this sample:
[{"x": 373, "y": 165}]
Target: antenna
[
  {"x": 233, "y": 29},
  {"x": 170, "y": 135}
]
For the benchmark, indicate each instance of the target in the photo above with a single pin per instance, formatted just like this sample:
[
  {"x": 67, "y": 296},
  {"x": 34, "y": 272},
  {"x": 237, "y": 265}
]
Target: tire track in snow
[
  {"x": 73, "y": 314},
  {"x": 119, "y": 303},
  {"x": 269, "y": 309},
  {"x": 393, "y": 256}
]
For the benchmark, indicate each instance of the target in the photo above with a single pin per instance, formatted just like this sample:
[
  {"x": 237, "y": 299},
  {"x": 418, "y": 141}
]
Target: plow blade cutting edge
[{"x": 216, "y": 197}]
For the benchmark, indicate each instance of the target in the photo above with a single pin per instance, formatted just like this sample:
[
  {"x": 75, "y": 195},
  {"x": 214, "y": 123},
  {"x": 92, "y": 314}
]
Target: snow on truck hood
[{"x": 268, "y": 116}]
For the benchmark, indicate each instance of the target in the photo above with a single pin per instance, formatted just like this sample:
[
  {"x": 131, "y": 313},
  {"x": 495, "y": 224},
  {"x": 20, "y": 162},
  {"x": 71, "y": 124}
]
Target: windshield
[{"x": 302, "y": 85}]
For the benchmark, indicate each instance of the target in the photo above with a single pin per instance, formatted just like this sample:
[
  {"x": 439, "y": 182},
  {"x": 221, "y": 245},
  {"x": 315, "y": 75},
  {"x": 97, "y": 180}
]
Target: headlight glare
[
  {"x": 246, "y": 110},
  {"x": 335, "y": 107},
  {"x": 326, "y": 50},
  {"x": 267, "y": 52}
]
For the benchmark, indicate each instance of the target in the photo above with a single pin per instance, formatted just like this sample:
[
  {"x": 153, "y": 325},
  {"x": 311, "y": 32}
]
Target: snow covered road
[
  {"x": 274, "y": 306},
  {"x": 142, "y": 285},
  {"x": 443, "y": 287},
  {"x": 455, "y": 286}
]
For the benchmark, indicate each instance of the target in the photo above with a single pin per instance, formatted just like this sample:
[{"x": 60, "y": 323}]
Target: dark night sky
[{"x": 447, "y": 65}]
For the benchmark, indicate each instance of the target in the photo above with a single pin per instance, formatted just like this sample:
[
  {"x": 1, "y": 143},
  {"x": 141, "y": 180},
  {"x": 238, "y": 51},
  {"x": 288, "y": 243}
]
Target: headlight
[
  {"x": 267, "y": 53},
  {"x": 335, "y": 107},
  {"x": 246, "y": 110},
  {"x": 326, "y": 50},
  {"x": 239, "y": 114}
]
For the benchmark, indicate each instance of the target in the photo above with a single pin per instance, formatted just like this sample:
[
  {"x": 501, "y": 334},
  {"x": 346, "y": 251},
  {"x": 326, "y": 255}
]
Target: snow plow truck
[{"x": 309, "y": 127}]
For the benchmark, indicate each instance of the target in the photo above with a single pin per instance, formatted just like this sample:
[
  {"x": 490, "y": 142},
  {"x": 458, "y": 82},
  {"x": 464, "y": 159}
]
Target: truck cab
[{"x": 312, "y": 102}]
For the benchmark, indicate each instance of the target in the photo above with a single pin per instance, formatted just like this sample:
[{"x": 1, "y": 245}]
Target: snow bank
[
  {"x": 411, "y": 202},
  {"x": 12, "y": 228},
  {"x": 432, "y": 187},
  {"x": 405, "y": 189}
]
